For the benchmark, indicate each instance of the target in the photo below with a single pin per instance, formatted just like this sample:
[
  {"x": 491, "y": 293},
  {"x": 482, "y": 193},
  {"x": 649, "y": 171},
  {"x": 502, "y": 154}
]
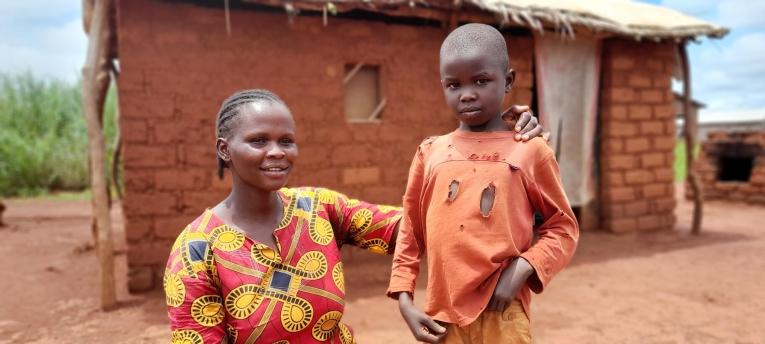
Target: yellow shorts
[{"x": 509, "y": 327}]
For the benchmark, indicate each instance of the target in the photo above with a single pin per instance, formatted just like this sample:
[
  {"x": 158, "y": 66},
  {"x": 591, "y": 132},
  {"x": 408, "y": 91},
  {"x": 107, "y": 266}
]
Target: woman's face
[{"x": 261, "y": 148}]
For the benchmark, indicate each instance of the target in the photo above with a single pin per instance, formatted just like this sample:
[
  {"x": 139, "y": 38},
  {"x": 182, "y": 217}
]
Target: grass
[
  {"x": 43, "y": 138},
  {"x": 680, "y": 157}
]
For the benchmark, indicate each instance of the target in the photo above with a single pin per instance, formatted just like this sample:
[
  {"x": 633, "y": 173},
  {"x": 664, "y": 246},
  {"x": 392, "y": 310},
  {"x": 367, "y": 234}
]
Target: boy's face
[{"x": 474, "y": 85}]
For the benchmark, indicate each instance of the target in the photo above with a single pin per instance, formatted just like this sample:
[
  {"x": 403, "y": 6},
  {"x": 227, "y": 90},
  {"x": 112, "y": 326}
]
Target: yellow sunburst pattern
[
  {"x": 326, "y": 326},
  {"x": 186, "y": 337},
  {"x": 207, "y": 310}
]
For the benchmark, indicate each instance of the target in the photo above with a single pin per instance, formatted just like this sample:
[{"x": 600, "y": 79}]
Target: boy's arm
[
  {"x": 559, "y": 233},
  {"x": 410, "y": 242}
]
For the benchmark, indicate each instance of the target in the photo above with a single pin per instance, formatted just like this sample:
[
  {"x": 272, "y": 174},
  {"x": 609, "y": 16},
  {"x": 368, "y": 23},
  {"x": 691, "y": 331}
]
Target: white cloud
[
  {"x": 728, "y": 74},
  {"x": 55, "y": 51}
]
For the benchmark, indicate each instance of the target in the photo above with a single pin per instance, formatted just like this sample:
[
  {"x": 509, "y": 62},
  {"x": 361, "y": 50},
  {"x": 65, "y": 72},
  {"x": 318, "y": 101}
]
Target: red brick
[
  {"x": 637, "y": 145},
  {"x": 620, "y": 194},
  {"x": 652, "y": 127},
  {"x": 181, "y": 179},
  {"x": 670, "y": 128},
  {"x": 639, "y": 112},
  {"x": 197, "y": 201},
  {"x": 651, "y": 159},
  {"x": 147, "y": 107},
  {"x": 636, "y": 208},
  {"x": 133, "y": 131},
  {"x": 639, "y": 80},
  {"x": 622, "y": 63},
  {"x": 364, "y": 175},
  {"x": 199, "y": 155},
  {"x": 141, "y": 180},
  {"x": 349, "y": 154},
  {"x": 655, "y": 190},
  {"x": 664, "y": 142},
  {"x": 314, "y": 155},
  {"x": 662, "y": 81},
  {"x": 149, "y": 252},
  {"x": 617, "y": 78},
  {"x": 615, "y": 112},
  {"x": 649, "y": 222},
  {"x": 149, "y": 203},
  {"x": 614, "y": 179},
  {"x": 611, "y": 146},
  {"x": 664, "y": 112},
  {"x": 141, "y": 279},
  {"x": 149, "y": 156},
  {"x": 640, "y": 176},
  {"x": 664, "y": 205},
  {"x": 620, "y": 95},
  {"x": 611, "y": 210},
  {"x": 137, "y": 228},
  {"x": 168, "y": 227},
  {"x": 654, "y": 65},
  {"x": 620, "y": 129},
  {"x": 619, "y": 162},
  {"x": 664, "y": 174}
]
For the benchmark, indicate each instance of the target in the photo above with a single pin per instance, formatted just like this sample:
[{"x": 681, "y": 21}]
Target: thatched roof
[{"x": 610, "y": 17}]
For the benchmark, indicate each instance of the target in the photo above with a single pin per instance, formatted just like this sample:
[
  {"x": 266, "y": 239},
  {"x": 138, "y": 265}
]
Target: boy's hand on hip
[
  {"x": 422, "y": 326},
  {"x": 510, "y": 281}
]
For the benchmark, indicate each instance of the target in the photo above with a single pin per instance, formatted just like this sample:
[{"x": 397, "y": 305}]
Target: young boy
[{"x": 470, "y": 203}]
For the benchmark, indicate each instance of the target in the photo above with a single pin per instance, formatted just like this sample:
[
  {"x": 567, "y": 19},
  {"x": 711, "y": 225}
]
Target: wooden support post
[
  {"x": 690, "y": 127},
  {"x": 95, "y": 83}
]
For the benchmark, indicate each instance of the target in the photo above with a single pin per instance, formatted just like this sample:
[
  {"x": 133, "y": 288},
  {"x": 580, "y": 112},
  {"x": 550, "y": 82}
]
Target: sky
[{"x": 728, "y": 75}]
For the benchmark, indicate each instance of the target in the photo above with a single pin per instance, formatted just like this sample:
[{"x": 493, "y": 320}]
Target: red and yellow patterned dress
[{"x": 221, "y": 286}]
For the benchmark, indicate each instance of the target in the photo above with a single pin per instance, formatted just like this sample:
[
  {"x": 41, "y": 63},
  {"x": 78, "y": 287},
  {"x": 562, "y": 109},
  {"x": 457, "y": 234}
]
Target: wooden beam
[
  {"x": 95, "y": 83},
  {"x": 690, "y": 126}
]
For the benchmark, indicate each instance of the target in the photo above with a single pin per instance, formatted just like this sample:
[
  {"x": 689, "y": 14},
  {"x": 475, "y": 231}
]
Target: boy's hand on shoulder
[
  {"x": 510, "y": 281},
  {"x": 522, "y": 121},
  {"x": 423, "y": 327}
]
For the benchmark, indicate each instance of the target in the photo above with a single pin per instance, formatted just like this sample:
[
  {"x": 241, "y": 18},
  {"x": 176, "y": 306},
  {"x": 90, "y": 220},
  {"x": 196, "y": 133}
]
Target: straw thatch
[{"x": 608, "y": 17}]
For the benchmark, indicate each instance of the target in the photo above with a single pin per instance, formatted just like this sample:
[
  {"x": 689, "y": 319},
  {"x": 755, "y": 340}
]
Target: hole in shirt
[
  {"x": 487, "y": 200},
  {"x": 454, "y": 186}
]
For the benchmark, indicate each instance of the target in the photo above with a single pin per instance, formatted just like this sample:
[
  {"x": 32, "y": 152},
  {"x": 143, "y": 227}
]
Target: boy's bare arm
[
  {"x": 423, "y": 327},
  {"x": 510, "y": 282}
]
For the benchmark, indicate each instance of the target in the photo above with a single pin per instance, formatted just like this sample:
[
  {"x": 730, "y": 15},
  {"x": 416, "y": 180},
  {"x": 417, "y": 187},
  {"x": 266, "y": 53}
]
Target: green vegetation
[
  {"x": 43, "y": 138},
  {"x": 680, "y": 164}
]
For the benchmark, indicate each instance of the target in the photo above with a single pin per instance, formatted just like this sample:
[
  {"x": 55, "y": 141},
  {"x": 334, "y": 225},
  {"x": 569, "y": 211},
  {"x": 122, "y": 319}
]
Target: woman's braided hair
[{"x": 229, "y": 110}]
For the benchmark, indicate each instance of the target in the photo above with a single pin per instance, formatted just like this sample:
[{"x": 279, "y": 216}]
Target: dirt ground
[{"x": 664, "y": 287}]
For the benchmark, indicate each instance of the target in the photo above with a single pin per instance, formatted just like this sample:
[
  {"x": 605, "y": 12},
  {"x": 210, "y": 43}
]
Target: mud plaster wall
[{"x": 178, "y": 64}]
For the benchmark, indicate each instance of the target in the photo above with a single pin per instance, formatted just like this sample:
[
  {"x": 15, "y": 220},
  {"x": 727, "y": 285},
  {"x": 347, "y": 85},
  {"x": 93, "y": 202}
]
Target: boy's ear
[
  {"x": 221, "y": 147},
  {"x": 509, "y": 79}
]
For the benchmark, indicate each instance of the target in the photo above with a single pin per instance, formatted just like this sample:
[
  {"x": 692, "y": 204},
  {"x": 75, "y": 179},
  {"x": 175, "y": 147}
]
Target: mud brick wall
[
  {"x": 178, "y": 64},
  {"x": 708, "y": 165},
  {"x": 637, "y": 136}
]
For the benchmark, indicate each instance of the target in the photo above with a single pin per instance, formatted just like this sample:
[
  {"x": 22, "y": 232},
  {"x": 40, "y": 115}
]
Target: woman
[{"x": 264, "y": 264}]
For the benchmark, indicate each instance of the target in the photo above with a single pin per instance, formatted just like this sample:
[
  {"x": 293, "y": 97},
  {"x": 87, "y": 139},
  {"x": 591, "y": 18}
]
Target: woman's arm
[{"x": 194, "y": 302}]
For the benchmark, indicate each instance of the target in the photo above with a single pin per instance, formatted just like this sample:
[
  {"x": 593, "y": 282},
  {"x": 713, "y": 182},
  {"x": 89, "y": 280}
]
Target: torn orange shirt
[{"x": 466, "y": 248}]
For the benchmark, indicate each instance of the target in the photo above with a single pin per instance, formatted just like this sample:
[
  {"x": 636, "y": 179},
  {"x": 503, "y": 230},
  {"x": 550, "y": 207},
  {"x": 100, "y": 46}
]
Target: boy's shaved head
[{"x": 481, "y": 38}]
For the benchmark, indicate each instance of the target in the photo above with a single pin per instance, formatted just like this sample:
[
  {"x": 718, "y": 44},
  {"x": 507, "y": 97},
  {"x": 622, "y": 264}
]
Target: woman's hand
[
  {"x": 527, "y": 127},
  {"x": 422, "y": 326},
  {"x": 510, "y": 281}
]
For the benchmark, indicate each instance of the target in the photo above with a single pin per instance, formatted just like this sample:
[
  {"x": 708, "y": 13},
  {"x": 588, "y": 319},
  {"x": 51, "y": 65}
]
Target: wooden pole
[
  {"x": 690, "y": 126},
  {"x": 95, "y": 83}
]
